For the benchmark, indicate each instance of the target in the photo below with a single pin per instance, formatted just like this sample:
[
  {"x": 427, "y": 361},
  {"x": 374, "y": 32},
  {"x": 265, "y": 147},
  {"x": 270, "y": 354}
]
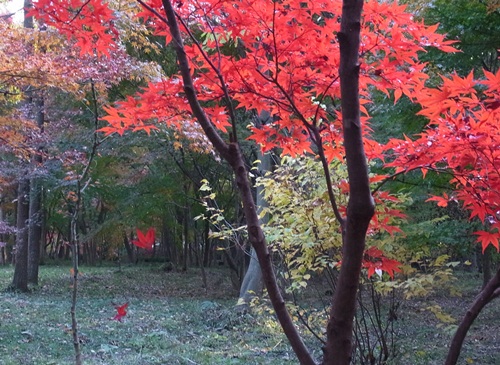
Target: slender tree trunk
[
  {"x": 128, "y": 248},
  {"x": 36, "y": 212},
  {"x": 43, "y": 238},
  {"x": 360, "y": 209},
  {"x": 185, "y": 241},
  {"x": 20, "y": 280},
  {"x": 2, "y": 237},
  {"x": 35, "y": 231},
  {"x": 207, "y": 247},
  {"x": 489, "y": 292},
  {"x": 74, "y": 294}
]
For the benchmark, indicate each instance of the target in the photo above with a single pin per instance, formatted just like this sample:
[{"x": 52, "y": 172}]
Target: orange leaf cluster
[
  {"x": 279, "y": 57},
  {"x": 462, "y": 138},
  {"x": 90, "y": 22}
]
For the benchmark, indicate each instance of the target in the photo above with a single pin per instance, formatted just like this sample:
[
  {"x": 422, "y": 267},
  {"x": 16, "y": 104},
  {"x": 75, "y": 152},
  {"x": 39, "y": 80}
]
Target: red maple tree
[
  {"x": 312, "y": 65},
  {"x": 462, "y": 139}
]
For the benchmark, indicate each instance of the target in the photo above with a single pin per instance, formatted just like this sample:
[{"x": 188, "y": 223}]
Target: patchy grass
[{"x": 173, "y": 320}]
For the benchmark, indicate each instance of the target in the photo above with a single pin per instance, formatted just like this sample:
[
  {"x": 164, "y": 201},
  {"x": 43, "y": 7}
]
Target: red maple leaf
[
  {"x": 487, "y": 238},
  {"x": 375, "y": 261},
  {"x": 145, "y": 241},
  {"x": 121, "y": 312},
  {"x": 441, "y": 201}
]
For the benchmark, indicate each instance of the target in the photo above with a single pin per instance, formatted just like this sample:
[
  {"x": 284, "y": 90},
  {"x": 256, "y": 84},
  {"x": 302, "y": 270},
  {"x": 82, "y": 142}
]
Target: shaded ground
[
  {"x": 424, "y": 339},
  {"x": 173, "y": 320}
]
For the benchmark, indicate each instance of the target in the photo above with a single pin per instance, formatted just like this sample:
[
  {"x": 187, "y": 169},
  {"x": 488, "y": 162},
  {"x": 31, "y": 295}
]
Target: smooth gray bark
[{"x": 252, "y": 284}]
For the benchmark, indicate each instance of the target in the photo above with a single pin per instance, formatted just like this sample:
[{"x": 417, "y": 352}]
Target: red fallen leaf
[
  {"x": 145, "y": 241},
  {"x": 121, "y": 312}
]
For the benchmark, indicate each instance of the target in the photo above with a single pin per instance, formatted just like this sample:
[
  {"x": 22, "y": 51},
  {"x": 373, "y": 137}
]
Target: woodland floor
[{"x": 173, "y": 320}]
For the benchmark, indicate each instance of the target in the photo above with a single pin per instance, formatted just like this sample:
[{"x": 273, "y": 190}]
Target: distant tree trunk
[
  {"x": 35, "y": 196},
  {"x": 20, "y": 280},
  {"x": 252, "y": 284},
  {"x": 487, "y": 294},
  {"x": 207, "y": 246},
  {"x": 2, "y": 237},
  {"x": 185, "y": 242},
  {"x": 43, "y": 238},
  {"x": 128, "y": 248},
  {"x": 35, "y": 231}
]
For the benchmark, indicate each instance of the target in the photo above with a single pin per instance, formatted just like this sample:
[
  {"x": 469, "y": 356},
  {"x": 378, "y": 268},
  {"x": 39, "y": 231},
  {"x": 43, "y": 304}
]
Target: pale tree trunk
[
  {"x": 252, "y": 284},
  {"x": 20, "y": 280},
  {"x": 360, "y": 209}
]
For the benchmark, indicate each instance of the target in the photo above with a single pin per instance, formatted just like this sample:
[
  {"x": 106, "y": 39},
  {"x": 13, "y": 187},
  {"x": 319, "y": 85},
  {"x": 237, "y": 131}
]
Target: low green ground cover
[{"x": 173, "y": 320}]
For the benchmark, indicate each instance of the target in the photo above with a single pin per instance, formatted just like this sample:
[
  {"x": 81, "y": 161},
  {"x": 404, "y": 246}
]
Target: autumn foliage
[
  {"x": 462, "y": 139},
  {"x": 250, "y": 56}
]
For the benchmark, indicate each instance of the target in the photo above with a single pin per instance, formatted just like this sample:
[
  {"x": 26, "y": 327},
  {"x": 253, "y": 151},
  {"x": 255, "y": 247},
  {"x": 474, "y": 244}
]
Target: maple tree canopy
[
  {"x": 463, "y": 139},
  {"x": 283, "y": 58}
]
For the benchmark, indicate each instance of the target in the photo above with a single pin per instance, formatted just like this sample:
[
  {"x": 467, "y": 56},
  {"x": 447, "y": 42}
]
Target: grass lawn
[{"x": 173, "y": 320}]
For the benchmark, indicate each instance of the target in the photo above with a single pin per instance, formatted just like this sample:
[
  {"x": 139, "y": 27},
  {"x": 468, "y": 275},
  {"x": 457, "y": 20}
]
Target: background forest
[{"x": 127, "y": 242}]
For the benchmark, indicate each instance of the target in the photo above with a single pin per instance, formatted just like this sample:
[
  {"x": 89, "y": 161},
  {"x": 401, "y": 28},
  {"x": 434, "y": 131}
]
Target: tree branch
[{"x": 232, "y": 154}]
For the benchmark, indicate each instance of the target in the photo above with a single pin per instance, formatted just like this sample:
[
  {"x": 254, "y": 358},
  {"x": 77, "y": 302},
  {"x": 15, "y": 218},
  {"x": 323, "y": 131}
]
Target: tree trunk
[
  {"x": 207, "y": 246},
  {"x": 489, "y": 292},
  {"x": 20, "y": 280},
  {"x": 252, "y": 284},
  {"x": 360, "y": 209},
  {"x": 35, "y": 205},
  {"x": 35, "y": 231},
  {"x": 3, "y": 240},
  {"x": 128, "y": 248}
]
